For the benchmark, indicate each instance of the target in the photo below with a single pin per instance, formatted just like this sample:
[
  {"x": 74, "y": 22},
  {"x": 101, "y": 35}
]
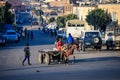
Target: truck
[
  {"x": 112, "y": 37},
  {"x": 75, "y": 27}
]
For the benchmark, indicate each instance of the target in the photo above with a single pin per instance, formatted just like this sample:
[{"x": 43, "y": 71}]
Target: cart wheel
[
  {"x": 47, "y": 59},
  {"x": 40, "y": 58}
]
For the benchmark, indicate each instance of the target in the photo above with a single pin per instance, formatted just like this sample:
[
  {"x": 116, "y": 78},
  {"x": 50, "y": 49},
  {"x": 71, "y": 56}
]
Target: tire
[
  {"x": 96, "y": 40},
  {"x": 40, "y": 58},
  {"x": 47, "y": 58}
]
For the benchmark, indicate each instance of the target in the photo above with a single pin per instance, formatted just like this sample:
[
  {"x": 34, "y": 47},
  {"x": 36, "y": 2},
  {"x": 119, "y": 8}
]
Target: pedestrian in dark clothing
[
  {"x": 27, "y": 54},
  {"x": 32, "y": 36}
]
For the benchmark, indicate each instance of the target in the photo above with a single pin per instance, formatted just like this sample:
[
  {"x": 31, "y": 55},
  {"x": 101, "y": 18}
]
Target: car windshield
[
  {"x": 11, "y": 33},
  {"x": 91, "y": 34}
]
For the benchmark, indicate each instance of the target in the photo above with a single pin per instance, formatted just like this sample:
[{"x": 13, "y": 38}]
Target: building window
[{"x": 114, "y": 16}]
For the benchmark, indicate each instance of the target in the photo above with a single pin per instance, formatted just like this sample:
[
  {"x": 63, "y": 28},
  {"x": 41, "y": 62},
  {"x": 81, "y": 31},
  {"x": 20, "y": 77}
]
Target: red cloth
[{"x": 59, "y": 44}]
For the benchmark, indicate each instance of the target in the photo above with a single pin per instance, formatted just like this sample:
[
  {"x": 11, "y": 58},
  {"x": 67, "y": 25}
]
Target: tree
[
  {"x": 52, "y": 19},
  {"x": 2, "y": 11},
  {"x": 61, "y": 21},
  {"x": 98, "y": 18},
  {"x": 71, "y": 17},
  {"x": 9, "y": 16}
]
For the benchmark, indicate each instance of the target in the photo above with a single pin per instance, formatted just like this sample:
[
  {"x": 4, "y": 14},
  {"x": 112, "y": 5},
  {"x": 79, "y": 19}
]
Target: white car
[{"x": 11, "y": 35}]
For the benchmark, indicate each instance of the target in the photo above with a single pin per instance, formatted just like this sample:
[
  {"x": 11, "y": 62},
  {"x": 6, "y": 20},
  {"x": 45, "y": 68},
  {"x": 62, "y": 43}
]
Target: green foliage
[
  {"x": 6, "y": 15},
  {"x": 52, "y": 19},
  {"x": 9, "y": 16},
  {"x": 41, "y": 18},
  {"x": 7, "y": 6},
  {"x": 61, "y": 21},
  {"x": 98, "y": 18},
  {"x": 2, "y": 15},
  {"x": 71, "y": 17}
]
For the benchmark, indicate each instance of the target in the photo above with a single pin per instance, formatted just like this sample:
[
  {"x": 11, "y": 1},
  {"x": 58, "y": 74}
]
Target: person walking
[{"x": 27, "y": 54}]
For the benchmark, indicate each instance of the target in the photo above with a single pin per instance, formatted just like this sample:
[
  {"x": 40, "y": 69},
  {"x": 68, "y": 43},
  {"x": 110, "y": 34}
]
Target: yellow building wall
[
  {"x": 112, "y": 8},
  {"x": 82, "y": 12}
]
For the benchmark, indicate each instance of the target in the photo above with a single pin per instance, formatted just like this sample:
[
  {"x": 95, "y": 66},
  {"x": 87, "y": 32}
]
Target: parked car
[
  {"x": 11, "y": 35},
  {"x": 91, "y": 39},
  {"x": 112, "y": 37},
  {"x": 2, "y": 40}
]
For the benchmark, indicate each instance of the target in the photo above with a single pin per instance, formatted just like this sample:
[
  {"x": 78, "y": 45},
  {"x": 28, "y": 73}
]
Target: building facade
[
  {"x": 83, "y": 10},
  {"x": 65, "y": 4},
  {"x": 113, "y": 9}
]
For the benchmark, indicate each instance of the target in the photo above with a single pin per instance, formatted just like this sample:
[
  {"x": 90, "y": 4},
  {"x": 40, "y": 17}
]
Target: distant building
[
  {"x": 82, "y": 10},
  {"x": 48, "y": 0},
  {"x": 113, "y": 9},
  {"x": 66, "y": 6}
]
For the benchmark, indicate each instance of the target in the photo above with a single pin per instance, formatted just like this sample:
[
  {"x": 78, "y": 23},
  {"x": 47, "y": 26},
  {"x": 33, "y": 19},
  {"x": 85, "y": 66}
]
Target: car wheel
[
  {"x": 97, "y": 41},
  {"x": 40, "y": 58},
  {"x": 47, "y": 59}
]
